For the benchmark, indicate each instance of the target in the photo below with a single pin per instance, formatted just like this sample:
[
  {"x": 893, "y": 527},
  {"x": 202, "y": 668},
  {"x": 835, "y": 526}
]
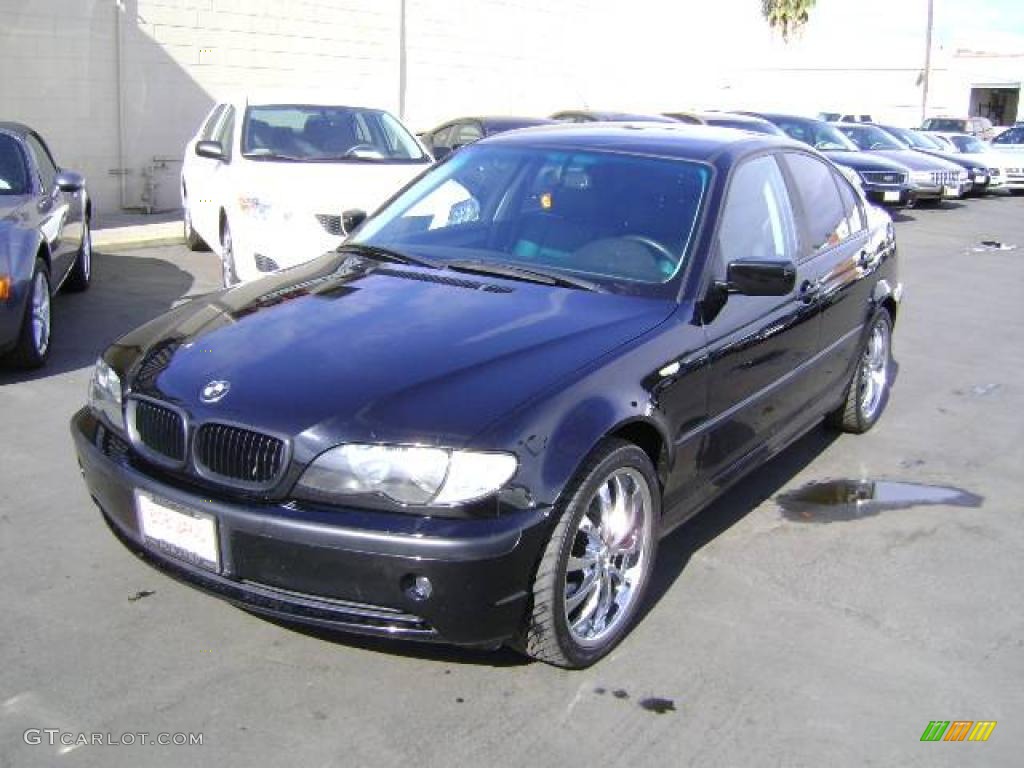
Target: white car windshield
[{"x": 309, "y": 133}]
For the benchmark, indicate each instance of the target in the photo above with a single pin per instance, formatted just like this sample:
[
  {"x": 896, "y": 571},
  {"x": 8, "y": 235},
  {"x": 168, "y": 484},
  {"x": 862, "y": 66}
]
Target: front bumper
[
  {"x": 889, "y": 194},
  {"x": 340, "y": 569},
  {"x": 264, "y": 246}
]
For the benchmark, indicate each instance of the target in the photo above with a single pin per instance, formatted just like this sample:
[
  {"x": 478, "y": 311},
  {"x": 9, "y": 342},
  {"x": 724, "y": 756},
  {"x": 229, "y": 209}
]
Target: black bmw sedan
[{"x": 474, "y": 421}]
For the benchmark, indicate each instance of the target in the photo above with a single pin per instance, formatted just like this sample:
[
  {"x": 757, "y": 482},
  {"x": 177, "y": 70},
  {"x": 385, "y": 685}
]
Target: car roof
[
  {"x": 771, "y": 117},
  {"x": 700, "y": 143},
  {"x": 18, "y": 129},
  {"x": 298, "y": 97},
  {"x": 616, "y": 117},
  {"x": 500, "y": 121}
]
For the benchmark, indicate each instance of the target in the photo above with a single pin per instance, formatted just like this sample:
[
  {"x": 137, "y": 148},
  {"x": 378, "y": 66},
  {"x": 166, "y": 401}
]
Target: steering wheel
[
  {"x": 363, "y": 148},
  {"x": 659, "y": 251}
]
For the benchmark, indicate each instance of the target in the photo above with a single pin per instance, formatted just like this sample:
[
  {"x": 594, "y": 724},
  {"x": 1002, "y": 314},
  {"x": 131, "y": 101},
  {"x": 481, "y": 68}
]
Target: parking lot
[{"x": 775, "y": 635}]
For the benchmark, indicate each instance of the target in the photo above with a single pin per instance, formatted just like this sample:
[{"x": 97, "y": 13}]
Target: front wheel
[
  {"x": 192, "y": 239},
  {"x": 33, "y": 345},
  {"x": 868, "y": 392},
  {"x": 596, "y": 567}
]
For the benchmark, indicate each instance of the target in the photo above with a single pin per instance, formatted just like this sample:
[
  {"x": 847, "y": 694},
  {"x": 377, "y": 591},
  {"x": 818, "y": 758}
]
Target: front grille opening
[
  {"x": 160, "y": 429},
  {"x": 239, "y": 455},
  {"x": 265, "y": 263},
  {"x": 331, "y": 224}
]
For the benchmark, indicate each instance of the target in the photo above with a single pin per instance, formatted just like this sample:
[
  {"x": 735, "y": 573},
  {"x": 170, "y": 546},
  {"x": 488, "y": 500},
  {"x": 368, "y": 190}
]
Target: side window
[
  {"x": 855, "y": 218},
  {"x": 468, "y": 133},
  {"x": 757, "y": 220},
  {"x": 207, "y": 132},
  {"x": 818, "y": 195},
  {"x": 226, "y": 133},
  {"x": 442, "y": 137},
  {"x": 44, "y": 162}
]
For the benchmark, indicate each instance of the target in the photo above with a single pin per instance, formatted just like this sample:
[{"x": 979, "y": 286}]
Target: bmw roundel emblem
[{"x": 214, "y": 391}]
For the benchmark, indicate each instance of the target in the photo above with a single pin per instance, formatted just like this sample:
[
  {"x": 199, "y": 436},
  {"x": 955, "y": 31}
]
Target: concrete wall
[{"x": 60, "y": 62}]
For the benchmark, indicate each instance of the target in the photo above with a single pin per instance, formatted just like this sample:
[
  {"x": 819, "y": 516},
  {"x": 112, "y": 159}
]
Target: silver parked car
[{"x": 44, "y": 241}]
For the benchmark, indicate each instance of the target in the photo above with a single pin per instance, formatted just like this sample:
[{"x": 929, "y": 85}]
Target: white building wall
[{"x": 59, "y": 64}]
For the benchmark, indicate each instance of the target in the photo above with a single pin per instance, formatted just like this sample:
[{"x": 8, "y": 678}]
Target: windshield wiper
[
  {"x": 267, "y": 155},
  {"x": 387, "y": 254},
  {"x": 528, "y": 274}
]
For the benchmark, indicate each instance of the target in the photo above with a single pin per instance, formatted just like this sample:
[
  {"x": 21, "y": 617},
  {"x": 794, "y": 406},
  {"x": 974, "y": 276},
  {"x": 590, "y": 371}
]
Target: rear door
[
  {"x": 835, "y": 262},
  {"x": 758, "y": 346}
]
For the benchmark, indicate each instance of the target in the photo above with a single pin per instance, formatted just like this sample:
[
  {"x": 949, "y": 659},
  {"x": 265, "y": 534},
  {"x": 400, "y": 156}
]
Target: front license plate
[
  {"x": 981, "y": 179},
  {"x": 950, "y": 192},
  {"x": 891, "y": 196},
  {"x": 186, "y": 534}
]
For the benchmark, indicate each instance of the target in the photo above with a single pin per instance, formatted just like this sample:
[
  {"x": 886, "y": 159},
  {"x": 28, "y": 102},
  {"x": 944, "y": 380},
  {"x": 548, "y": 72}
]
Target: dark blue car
[
  {"x": 475, "y": 420},
  {"x": 44, "y": 242}
]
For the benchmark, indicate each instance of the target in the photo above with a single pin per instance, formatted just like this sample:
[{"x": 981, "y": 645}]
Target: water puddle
[
  {"x": 843, "y": 500},
  {"x": 993, "y": 245}
]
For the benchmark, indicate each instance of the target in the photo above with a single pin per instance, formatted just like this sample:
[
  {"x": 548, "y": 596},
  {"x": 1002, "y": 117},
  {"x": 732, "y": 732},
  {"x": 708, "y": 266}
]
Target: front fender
[{"x": 18, "y": 249}]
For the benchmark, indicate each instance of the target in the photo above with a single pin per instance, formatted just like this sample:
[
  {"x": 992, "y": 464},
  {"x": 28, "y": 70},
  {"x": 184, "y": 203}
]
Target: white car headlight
[
  {"x": 408, "y": 474},
  {"x": 921, "y": 177},
  {"x": 105, "y": 395}
]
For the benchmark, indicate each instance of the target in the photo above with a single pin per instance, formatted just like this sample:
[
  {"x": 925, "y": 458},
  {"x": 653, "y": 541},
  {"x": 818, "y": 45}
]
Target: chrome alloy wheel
[
  {"x": 86, "y": 254},
  {"x": 227, "y": 258},
  {"x": 874, "y": 375},
  {"x": 40, "y": 317},
  {"x": 608, "y": 558}
]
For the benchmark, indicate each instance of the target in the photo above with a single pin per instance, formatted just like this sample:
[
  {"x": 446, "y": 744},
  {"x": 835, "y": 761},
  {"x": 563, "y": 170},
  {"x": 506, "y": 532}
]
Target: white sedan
[
  {"x": 267, "y": 183},
  {"x": 1010, "y": 144}
]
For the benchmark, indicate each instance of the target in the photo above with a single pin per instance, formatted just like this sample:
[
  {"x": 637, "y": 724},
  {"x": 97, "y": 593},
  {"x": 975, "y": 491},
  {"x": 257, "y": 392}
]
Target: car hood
[
  {"x": 343, "y": 348},
  {"x": 326, "y": 188},
  {"x": 916, "y": 161},
  {"x": 864, "y": 161}
]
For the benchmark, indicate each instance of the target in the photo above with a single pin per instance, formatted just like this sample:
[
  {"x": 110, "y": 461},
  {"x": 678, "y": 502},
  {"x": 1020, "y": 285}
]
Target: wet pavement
[{"x": 770, "y": 638}]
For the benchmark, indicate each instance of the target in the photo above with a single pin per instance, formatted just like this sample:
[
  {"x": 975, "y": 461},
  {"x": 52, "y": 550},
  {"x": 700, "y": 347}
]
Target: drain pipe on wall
[{"x": 122, "y": 171}]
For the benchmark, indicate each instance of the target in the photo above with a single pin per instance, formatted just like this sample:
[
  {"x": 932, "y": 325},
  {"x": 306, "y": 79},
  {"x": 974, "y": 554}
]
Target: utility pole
[
  {"x": 927, "y": 74},
  {"x": 402, "y": 63}
]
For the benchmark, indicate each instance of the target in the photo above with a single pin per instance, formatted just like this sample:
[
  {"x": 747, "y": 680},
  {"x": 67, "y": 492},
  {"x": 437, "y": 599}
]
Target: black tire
[
  {"x": 81, "y": 274},
  {"x": 856, "y": 415},
  {"x": 29, "y": 352},
  {"x": 548, "y": 635},
  {"x": 228, "y": 276},
  {"x": 192, "y": 239}
]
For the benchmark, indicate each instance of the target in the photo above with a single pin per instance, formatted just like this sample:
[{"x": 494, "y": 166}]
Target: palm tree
[{"x": 786, "y": 15}]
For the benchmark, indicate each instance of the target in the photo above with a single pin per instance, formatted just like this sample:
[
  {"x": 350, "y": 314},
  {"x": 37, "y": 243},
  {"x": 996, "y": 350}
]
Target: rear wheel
[
  {"x": 192, "y": 239},
  {"x": 33, "y": 345},
  {"x": 81, "y": 274},
  {"x": 868, "y": 392},
  {"x": 596, "y": 567},
  {"x": 227, "y": 256}
]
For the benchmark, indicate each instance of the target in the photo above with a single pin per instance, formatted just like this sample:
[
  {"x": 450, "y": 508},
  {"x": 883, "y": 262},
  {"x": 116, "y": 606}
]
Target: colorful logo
[{"x": 958, "y": 730}]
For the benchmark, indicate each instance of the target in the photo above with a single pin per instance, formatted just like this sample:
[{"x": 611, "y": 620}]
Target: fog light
[{"x": 418, "y": 587}]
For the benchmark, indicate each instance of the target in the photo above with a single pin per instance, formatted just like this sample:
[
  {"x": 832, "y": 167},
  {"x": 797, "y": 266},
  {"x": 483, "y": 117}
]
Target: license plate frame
[{"x": 182, "y": 532}]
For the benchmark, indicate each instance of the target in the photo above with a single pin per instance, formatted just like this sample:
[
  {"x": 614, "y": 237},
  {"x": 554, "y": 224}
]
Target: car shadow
[
  {"x": 900, "y": 215},
  {"x": 126, "y": 291},
  {"x": 677, "y": 549}
]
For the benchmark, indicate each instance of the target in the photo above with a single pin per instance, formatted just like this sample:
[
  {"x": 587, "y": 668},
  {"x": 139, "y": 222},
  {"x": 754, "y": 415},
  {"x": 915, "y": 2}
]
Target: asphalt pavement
[{"x": 781, "y": 630}]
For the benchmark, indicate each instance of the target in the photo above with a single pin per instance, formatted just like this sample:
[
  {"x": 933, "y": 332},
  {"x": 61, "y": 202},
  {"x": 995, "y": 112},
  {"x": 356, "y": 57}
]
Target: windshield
[
  {"x": 821, "y": 136},
  {"x": 869, "y": 137},
  {"x": 944, "y": 124},
  {"x": 969, "y": 144},
  {"x": 319, "y": 134},
  {"x": 622, "y": 221},
  {"x": 13, "y": 173},
  {"x": 914, "y": 139}
]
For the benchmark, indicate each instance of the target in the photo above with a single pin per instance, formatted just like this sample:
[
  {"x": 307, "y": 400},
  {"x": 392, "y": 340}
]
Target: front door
[{"x": 758, "y": 346}]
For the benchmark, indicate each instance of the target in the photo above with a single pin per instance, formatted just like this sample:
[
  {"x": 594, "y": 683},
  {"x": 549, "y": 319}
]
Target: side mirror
[
  {"x": 350, "y": 220},
  {"x": 69, "y": 181},
  {"x": 210, "y": 149},
  {"x": 761, "y": 278}
]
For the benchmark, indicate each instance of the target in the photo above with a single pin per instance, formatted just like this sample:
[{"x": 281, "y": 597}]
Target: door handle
[{"x": 809, "y": 291}]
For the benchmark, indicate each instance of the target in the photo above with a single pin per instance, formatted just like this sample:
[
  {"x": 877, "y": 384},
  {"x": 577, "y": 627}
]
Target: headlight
[
  {"x": 408, "y": 474},
  {"x": 921, "y": 177},
  {"x": 105, "y": 395}
]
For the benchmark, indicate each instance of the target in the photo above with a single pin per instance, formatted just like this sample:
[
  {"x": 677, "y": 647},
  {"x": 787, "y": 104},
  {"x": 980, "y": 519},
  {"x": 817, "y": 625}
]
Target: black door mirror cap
[
  {"x": 351, "y": 219},
  {"x": 211, "y": 150},
  {"x": 761, "y": 277}
]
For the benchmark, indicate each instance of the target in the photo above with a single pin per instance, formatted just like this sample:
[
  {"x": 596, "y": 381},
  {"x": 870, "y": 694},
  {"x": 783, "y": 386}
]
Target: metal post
[
  {"x": 927, "y": 75},
  {"x": 402, "y": 64}
]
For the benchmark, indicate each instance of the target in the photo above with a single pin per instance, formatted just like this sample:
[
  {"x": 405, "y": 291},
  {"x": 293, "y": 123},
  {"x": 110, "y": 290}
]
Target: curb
[{"x": 126, "y": 244}]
